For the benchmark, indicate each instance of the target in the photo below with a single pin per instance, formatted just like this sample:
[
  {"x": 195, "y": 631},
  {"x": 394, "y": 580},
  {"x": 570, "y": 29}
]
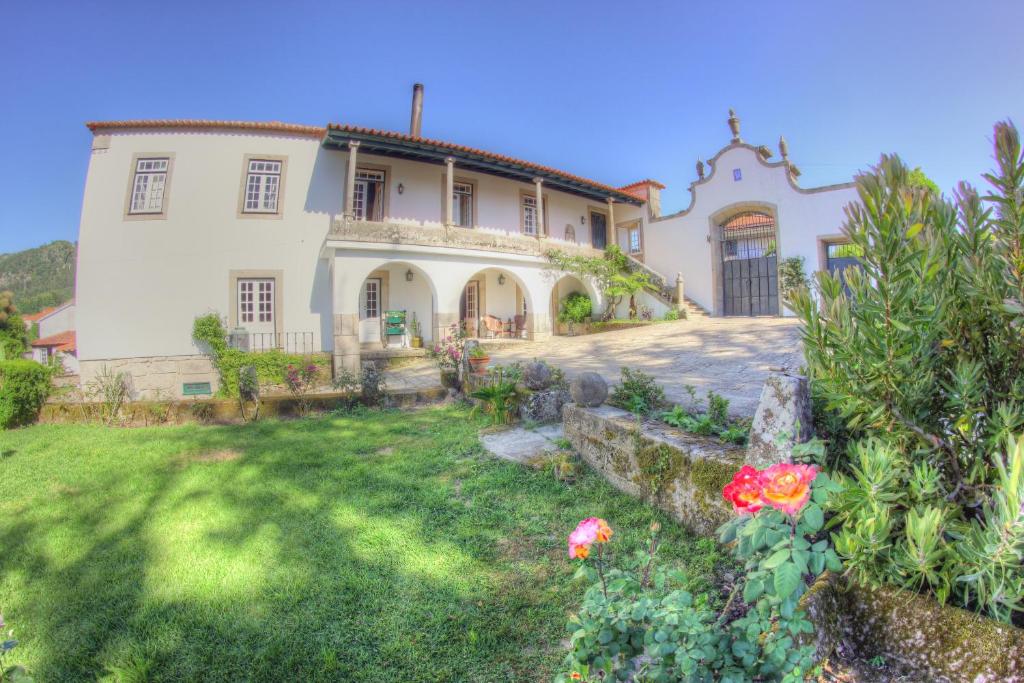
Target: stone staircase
[{"x": 666, "y": 292}]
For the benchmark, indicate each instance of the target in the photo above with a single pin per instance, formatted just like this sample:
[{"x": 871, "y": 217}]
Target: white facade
[
  {"x": 307, "y": 236},
  {"x": 60, "y": 319}
]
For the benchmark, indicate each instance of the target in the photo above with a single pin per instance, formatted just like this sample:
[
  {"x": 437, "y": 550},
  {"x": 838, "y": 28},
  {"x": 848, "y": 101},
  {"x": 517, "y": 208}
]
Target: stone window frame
[
  {"x": 628, "y": 227},
  {"x": 276, "y": 275},
  {"x": 543, "y": 230},
  {"x": 166, "y": 199},
  {"x": 385, "y": 209},
  {"x": 603, "y": 210},
  {"x": 266, "y": 215},
  {"x": 466, "y": 180},
  {"x": 823, "y": 241}
]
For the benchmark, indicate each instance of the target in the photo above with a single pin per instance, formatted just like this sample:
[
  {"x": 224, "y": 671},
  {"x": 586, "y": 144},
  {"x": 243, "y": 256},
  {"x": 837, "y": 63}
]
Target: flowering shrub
[
  {"x": 640, "y": 623},
  {"x": 449, "y": 352},
  {"x": 299, "y": 382}
]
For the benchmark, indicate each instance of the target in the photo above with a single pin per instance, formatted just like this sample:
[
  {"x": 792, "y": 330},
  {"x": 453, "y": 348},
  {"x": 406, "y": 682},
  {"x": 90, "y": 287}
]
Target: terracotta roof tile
[
  {"x": 359, "y": 130},
  {"x": 33, "y": 317},
  {"x": 645, "y": 181},
  {"x": 269, "y": 126},
  {"x": 62, "y": 341}
]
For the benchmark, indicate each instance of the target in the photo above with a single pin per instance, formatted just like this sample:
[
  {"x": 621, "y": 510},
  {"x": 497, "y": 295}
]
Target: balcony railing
[
  {"x": 451, "y": 237},
  {"x": 289, "y": 342}
]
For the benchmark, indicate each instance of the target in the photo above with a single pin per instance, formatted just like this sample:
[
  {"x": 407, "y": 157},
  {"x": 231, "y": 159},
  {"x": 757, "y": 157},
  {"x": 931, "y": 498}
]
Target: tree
[
  {"x": 629, "y": 284},
  {"x": 602, "y": 270},
  {"x": 13, "y": 336},
  {"x": 917, "y": 178}
]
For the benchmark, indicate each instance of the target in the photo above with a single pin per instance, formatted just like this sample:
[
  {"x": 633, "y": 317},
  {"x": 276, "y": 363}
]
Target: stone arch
[{"x": 496, "y": 294}]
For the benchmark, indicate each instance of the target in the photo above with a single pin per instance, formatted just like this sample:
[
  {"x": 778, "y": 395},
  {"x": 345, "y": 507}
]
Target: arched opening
[
  {"x": 495, "y": 303},
  {"x": 566, "y": 288},
  {"x": 749, "y": 269},
  {"x": 397, "y": 302}
]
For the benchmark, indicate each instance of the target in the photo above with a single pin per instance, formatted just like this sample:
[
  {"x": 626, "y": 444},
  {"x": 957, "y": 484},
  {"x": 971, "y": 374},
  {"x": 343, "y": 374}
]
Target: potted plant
[
  {"x": 478, "y": 359},
  {"x": 447, "y": 353},
  {"x": 414, "y": 333}
]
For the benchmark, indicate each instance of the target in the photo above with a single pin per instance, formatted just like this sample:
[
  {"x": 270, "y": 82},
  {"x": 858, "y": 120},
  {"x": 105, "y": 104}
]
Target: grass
[{"x": 363, "y": 547}]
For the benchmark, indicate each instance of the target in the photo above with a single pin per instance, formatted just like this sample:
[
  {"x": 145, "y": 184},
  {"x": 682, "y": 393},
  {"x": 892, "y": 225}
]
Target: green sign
[{"x": 196, "y": 389}]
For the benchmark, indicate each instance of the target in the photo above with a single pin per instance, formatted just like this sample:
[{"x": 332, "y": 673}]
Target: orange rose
[{"x": 787, "y": 487}]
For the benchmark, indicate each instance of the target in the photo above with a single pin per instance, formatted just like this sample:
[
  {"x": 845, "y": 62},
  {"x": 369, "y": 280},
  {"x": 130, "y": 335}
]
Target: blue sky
[{"x": 614, "y": 91}]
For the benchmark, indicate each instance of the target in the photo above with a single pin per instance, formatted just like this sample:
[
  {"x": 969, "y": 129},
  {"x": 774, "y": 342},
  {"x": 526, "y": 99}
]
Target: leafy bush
[
  {"x": 576, "y": 308},
  {"x": 714, "y": 422},
  {"x": 24, "y": 386},
  {"x": 922, "y": 356},
  {"x": 674, "y": 314},
  {"x": 637, "y": 392},
  {"x": 371, "y": 384},
  {"x": 499, "y": 398},
  {"x": 640, "y": 623},
  {"x": 792, "y": 275},
  {"x": 300, "y": 381},
  {"x": 13, "y": 335}
]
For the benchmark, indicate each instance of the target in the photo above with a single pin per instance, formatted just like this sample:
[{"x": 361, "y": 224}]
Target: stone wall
[
  {"x": 678, "y": 472},
  {"x": 154, "y": 377}
]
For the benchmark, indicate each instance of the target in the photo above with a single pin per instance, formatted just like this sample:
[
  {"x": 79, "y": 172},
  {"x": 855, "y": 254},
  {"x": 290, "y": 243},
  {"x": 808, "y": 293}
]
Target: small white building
[
  {"x": 306, "y": 237},
  {"x": 56, "y": 336}
]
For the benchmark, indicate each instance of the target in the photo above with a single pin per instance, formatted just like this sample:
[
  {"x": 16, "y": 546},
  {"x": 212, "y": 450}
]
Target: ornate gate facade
[{"x": 750, "y": 265}]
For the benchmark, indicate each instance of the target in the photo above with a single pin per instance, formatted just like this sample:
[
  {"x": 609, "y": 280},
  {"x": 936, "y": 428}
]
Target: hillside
[{"x": 39, "y": 277}]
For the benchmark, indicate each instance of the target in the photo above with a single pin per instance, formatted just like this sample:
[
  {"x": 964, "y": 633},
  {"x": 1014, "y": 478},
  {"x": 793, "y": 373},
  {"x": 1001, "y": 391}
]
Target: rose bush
[{"x": 640, "y": 623}]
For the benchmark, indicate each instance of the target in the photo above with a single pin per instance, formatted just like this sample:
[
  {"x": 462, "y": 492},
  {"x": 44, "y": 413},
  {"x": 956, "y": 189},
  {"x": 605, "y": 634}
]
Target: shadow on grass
[{"x": 307, "y": 555}]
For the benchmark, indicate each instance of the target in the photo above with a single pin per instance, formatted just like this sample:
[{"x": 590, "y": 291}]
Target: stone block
[
  {"x": 537, "y": 376},
  {"x": 544, "y": 406},
  {"x": 782, "y": 420}
]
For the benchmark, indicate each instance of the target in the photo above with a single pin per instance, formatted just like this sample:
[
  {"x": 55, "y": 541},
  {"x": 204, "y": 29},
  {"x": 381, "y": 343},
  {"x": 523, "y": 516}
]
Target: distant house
[
  {"x": 56, "y": 336},
  {"x": 33, "y": 318}
]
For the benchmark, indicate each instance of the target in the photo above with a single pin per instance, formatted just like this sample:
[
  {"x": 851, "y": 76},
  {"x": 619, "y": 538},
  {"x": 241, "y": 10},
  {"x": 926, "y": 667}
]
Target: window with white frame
[
  {"x": 256, "y": 301},
  {"x": 462, "y": 204},
  {"x": 371, "y": 302},
  {"x": 368, "y": 195},
  {"x": 262, "y": 186},
  {"x": 635, "y": 246},
  {"x": 528, "y": 211},
  {"x": 148, "y": 185}
]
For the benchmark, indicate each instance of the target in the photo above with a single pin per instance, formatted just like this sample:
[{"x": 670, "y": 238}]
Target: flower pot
[
  {"x": 416, "y": 342},
  {"x": 450, "y": 379},
  {"x": 479, "y": 365}
]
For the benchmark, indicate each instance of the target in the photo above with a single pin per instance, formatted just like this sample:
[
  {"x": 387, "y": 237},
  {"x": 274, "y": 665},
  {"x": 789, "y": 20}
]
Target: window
[
  {"x": 371, "y": 304},
  {"x": 368, "y": 196},
  {"x": 528, "y": 206},
  {"x": 148, "y": 186},
  {"x": 634, "y": 240},
  {"x": 262, "y": 186},
  {"x": 462, "y": 204},
  {"x": 255, "y": 301}
]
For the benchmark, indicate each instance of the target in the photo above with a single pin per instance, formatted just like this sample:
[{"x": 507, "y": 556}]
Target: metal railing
[{"x": 289, "y": 342}]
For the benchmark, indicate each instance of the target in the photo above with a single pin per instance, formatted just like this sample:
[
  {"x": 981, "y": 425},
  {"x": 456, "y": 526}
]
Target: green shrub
[
  {"x": 576, "y": 308},
  {"x": 672, "y": 314},
  {"x": 921, "y": 355},
  {"x": 24, "y": 386},
  {"x": 637, "y": 392},
  {"x": 792, "y": 275},
  {"x": 271, "y": 366}
]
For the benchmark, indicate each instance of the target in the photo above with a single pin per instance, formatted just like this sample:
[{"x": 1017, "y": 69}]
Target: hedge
[
  {"x": 24, "y": 386},
  {"x": 270, "y": 366}
]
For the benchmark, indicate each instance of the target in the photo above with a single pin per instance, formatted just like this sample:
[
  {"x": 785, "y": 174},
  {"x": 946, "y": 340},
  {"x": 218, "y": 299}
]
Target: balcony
[{"x": 451, "y": 237}]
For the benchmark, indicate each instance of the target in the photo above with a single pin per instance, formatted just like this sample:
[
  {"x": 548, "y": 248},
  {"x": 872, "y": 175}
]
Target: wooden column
[
  {"x": 350, "y": 180},
  {"x": 449, "y": 186}
]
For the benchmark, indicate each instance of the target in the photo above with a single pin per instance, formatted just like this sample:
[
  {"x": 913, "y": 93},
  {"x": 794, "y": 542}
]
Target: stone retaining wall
[
  {"x": 678, "y": 472},
  {"x": 154, "y": 377},
  {"x": 220, "y": 410}
]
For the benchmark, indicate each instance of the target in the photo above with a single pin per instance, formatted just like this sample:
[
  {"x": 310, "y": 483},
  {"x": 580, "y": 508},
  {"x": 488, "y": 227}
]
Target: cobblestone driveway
[{"x": 732, "y": 356}]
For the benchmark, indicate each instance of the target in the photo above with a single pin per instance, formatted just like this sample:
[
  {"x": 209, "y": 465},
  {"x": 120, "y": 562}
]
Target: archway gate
[{"x": 750, "y": 265}]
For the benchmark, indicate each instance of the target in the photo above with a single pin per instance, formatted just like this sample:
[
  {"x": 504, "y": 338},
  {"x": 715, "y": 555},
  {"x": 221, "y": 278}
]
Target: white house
[
  {"x": 56, "y": 336},
  {"x": 306, "y": 236}
]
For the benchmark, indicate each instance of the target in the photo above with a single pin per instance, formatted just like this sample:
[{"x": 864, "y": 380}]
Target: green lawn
[{"x": 376, "y": 546}]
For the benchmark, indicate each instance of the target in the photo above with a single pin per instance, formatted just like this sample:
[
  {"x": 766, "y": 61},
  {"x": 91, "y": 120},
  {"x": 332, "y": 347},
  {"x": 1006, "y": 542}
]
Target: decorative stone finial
[
  {"x": 793, "y": 170},
  {"x": 700, "y": 169},
  {"x": 765, "y": 153},
  {"x": 734, "y": 125},
  {"x": 783, "y": 147}
]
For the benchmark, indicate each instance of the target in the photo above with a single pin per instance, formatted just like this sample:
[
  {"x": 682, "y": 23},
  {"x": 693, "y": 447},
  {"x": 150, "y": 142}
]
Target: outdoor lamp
[
  {"x": 408, "y": 275},
  {"x": 501, "y": 278}
]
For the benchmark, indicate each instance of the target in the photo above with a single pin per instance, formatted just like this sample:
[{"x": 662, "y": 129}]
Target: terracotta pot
[{"x": 479, "y": 365}]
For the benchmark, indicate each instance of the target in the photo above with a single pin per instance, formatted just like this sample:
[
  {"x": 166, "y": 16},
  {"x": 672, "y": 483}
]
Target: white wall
[
  {"x": 61, "y": 320},
  {"x": 680, "y": 242}
]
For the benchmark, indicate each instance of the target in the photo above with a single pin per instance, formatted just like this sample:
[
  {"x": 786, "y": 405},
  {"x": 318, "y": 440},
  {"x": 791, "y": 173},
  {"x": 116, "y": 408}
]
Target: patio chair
[{"x": 494, "y": 326}]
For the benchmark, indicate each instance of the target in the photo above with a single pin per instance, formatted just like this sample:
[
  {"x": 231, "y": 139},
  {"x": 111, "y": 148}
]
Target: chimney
[{"x": 416, "y": 121}]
